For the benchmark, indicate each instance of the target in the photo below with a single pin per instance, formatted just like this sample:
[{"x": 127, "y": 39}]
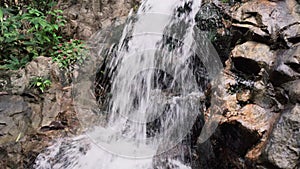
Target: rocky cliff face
[
  {"x": 31, "y": 119},
  {"x": 260, "y": 86}
]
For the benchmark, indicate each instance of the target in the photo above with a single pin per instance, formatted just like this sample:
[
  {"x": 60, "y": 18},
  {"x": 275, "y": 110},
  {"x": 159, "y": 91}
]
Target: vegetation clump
[
  {"x": 29, "y": 31},
  {"x": 40, "y": 83},
  {"x": 68, "y": 53}
]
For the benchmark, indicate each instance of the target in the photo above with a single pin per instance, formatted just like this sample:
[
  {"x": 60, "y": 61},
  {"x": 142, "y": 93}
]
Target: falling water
[{"x": 156, "y": 91}]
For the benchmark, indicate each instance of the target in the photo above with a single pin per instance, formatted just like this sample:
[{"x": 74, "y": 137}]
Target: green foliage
[
  {"x": 13, "y": 63},
  {"x": 212, "y": 36},
  {"x": 40, "y": 83},
  {"x": 33, "y": 31},
  {"x": 26, "y": 34},
  {"x": 69, "y": 53},
  {"x": 225, "y": 1},
  {"x": 43, "y": 6}
]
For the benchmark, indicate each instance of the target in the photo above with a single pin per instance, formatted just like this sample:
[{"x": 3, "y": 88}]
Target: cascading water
[{"x": 156, "y": 93}]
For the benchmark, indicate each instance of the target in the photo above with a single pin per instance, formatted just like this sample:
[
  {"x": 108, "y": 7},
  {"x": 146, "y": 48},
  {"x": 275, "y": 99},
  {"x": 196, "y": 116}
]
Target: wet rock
[
  {"x": 22, "y": 154},
  {"x": 14, "y": 118},
  {"x": 283, "y": 148},
  {"x": 260, "y": 78},
  {"x": 179, "y": 152},
  {"x": 230, "y": 144},
  {"x": 248, "y": 116},
  {"x": 240, "y": 138},
  {"x": 203, "y": 155},
  {"x": 209, "y": 17},
  {"x": 252, "y": 62},
  {"x": 274, "y": 21},
  {"x": 211, "y": 20}
]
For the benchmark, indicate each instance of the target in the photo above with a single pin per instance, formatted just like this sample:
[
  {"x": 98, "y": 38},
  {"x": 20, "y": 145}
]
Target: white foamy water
[{"x": 153, "y": 85}]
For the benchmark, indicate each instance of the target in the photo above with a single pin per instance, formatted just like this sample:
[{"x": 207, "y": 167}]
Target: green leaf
[
  {"x": 47, "y": 82},
  {"x": 55, "y": 27},
  {"x": 38, "y": 83},
  {"x": 1, "y": 15}
]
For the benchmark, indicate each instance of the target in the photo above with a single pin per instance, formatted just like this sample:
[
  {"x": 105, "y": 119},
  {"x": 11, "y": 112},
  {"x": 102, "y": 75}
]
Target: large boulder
[
  {"x": 251, "y": 56},
  {"x": 283, "y": 148}
]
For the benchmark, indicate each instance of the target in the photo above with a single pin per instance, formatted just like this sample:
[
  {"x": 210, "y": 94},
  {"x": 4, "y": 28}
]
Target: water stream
[{"x": 156, "y": 94}]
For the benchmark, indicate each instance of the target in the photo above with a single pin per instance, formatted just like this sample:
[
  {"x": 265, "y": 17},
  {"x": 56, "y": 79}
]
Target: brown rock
[
  {"x": 254, "y": 118},
  {"x": 293, "y": 90},
  {"x": 250, "y": 57}
]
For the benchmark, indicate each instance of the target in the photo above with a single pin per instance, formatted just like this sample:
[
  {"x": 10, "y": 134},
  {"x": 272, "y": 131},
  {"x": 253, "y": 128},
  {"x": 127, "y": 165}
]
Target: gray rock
[
  {"x": 293, "y": 90},
  {"x": 16, "y": 82},
  {"x": 287, "y": 66},
  {"x": 283, "y": 149},
  {"x": 86, "y": 17},
  {"x": 14, "y": 118},
  {"x": 272, "y": 19}
]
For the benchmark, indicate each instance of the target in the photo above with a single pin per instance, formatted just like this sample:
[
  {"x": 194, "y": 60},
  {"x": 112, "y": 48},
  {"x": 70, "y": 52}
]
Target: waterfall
[{"x": 156, "y": 95}]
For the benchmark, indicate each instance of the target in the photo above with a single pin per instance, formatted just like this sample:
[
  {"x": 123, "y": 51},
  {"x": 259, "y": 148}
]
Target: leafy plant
[
  {"x": 40, "y": 83},
  {"x": 13, "y": 63},
  {"x": 44, "y": 5},
  {"x": 26, "y": 34},
  {"x": 69, "y": 53}
]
